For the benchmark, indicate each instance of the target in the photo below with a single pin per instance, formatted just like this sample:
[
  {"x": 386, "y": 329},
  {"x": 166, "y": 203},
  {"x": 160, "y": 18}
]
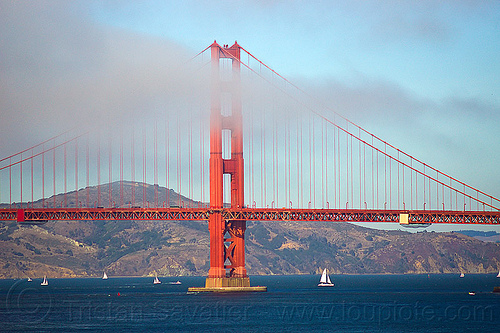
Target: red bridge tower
[{"x": 227, "y": 238}]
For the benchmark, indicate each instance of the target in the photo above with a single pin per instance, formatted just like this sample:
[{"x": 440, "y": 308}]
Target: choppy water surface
[{"x": 357, "y": 303}]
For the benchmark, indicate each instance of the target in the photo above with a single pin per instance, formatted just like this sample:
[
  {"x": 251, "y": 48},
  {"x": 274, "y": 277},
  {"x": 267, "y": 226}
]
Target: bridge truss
[{"x": 413, "y": 217}]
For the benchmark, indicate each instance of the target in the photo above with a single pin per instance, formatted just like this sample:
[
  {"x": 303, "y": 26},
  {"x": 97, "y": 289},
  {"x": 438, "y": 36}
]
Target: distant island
[
  {"x": 181, "y": 248},
  {"x": 487, "y": 236}
]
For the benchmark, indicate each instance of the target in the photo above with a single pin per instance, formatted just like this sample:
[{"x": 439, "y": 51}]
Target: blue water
[{"x": 357, "y": 303}]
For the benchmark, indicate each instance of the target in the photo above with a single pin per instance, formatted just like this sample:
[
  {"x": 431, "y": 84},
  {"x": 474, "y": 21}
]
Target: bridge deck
[{"x": 34, "y": 215}]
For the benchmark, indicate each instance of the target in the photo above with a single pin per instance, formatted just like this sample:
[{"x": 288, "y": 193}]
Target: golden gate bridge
[{"x": 272, "y": 155}]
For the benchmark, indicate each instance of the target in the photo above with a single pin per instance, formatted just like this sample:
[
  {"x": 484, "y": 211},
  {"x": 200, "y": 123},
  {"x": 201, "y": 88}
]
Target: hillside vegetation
[{"x": 141, "y": 248}]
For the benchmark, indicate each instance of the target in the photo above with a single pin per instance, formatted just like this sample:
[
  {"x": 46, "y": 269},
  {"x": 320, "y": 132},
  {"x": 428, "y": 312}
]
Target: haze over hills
[{"x": 139, "y": 248}]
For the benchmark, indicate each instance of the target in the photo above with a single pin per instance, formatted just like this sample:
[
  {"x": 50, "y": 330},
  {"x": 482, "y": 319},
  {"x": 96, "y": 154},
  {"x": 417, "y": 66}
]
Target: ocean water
[{"x": 357, "y": 303}]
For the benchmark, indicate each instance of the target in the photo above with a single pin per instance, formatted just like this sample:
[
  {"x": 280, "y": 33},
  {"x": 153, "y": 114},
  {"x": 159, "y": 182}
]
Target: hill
[{"x": 140, "y": 248}]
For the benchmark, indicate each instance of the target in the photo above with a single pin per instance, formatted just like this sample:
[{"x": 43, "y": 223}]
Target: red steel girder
[
  {"x": 252, "y": 214},
  {"x": 362, "y": 215},
  {"x": 67, "y": 214}
]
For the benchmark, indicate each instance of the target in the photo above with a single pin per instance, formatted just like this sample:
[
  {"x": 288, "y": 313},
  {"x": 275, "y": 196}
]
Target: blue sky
[
  {"x": 430, "y": 48},
  {"x": 424, "y": 75}
]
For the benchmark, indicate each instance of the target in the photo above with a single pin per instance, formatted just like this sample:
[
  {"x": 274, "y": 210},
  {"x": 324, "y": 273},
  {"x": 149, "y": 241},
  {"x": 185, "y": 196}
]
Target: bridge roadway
[{"x": 409, "y": 217}]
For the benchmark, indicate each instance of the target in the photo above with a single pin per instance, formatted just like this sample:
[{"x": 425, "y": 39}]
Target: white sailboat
[
  {"x": 104, "y": 276},
  {"x": 29, "y": 279},
  {"x": 325, "y": 280},
  {"x": 462, "y": 275},
  {"x": 498, "y": 275},
  {"x": 156, "y": 280},
  {"x": 44, "y": 282}
]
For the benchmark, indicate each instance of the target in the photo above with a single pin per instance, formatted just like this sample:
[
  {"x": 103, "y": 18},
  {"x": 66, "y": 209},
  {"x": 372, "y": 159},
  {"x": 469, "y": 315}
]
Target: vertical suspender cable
[
  {"x": 339, "y": 173},
  {"x": 299, "y": 188},
  {"x": 352, "y": 172},
  {"x": 373, "y": 180},
  {"x": 265, "y": 157},
  {"x": 390, "y": 183},
  {"x": 289, "y": 160},
  {"x": 143, "y": 167},
  {"x": 76, "y": 173},
  {"x": 301, "y": 165},
  {"x": 416, "y": 191},
  {"x": 404, "y": 189},
  {"x": 430, "y": 194},
  {"x": 54, "y": 171},
  {"x": 87, "y": 189},
  {"x": 65, "y": 178},
  {"x": 437, "y": 191},
  {"x": 190, "y": 156},
  {"x": 322, "y": 164},
  {"x": 179, "y": 176},
  {"x": 378, "y": 191},
  {"x": 313, "y": 166},
  {"x": 326, "y": 164},
  {"x": 285, "y": 163},
  {"x": 252, "y": 125},
  {"x": 277, "y": 158},
  {"x": 110, "y": 171},
  {"x": 385, "y": 177},
  {"x": 334, "y": 152},
  {"x": 132, "y": 164},
  {"x": 399, "y": 185},
  {"x": 202, "y": 158},
  {"x": 347, "y": 166},
  {"x": 31, "y": 178},
  {"x": 364, "y": 175},
  {"x": 167, "y": 162},
  {"x": 360, "y": 173},
  {"x": 423, "y": 179},
  {"x": 155, "y": 164},
  {"x": 121, "y": 167},
  {"x": 262, "y": 161},
  {"x": 274, "y": 159},
  {"x": 21, "y": 174},
  {"x": 43, "y": 176},
  {"x": 10, "y": 184},
  {"x": 411, "y": 185},
  {"x": 310, "y": 163},
  {"x": 99, "y": 169}
]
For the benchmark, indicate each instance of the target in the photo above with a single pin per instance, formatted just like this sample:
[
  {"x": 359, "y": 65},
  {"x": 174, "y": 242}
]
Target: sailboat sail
[
  {"x": 44, "y": 282},
  {"x": 325, "y": 280},
  {"x": 498, "y": 275},
  {"x": 156, "y": 280},
  {"x": 324, "y": 277}
]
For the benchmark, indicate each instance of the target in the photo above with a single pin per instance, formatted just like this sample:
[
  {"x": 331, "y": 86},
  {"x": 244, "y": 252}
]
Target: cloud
[{"x": 60, "y": 69}]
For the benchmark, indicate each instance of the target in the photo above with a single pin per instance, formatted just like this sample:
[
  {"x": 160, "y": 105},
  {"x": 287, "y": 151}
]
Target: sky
[{"x": 422, "y": 75}]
